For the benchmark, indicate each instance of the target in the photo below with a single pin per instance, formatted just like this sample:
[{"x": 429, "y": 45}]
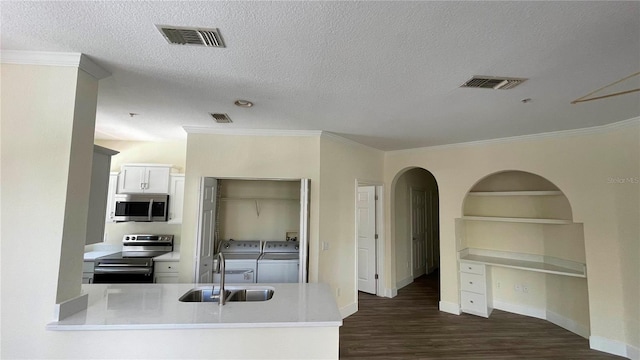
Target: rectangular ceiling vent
[
  {"x": 191, "y": 36},
  {"x": 221, "y": 118},
  {"x": 493, "y": 82}
]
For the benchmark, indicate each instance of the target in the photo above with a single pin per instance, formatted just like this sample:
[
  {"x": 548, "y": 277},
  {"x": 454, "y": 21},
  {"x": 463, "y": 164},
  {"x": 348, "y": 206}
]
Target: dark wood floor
[{"x": 410, "y": 326}]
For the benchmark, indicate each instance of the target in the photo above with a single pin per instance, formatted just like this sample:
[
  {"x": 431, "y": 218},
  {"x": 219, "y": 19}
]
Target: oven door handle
[{"x": 123, "y": 270}]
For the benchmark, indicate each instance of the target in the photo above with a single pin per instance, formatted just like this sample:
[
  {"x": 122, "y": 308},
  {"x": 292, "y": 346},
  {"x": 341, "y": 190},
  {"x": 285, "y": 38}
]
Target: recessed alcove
[{"x": 517, "y": 239}]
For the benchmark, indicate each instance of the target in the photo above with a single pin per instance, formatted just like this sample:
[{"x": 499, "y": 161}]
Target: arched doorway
[{"x": 416, "y": 225}]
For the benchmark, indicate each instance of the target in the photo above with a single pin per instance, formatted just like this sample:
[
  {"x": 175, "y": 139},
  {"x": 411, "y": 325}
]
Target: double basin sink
[{"x": 233, "y": 294}]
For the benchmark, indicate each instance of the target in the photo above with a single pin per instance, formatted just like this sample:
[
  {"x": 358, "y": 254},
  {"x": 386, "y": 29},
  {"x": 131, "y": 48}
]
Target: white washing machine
[
  {"x": 241, "y": 261},
  {"x": 279, "y": 263}
]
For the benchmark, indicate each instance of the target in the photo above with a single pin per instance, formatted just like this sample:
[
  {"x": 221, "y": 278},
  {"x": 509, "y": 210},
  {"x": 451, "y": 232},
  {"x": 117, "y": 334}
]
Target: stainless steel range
[{"x": 135, "y": 263}]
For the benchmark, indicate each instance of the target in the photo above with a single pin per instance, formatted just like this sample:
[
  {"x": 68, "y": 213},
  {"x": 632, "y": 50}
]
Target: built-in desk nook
[{"x": 520, "y": 251}]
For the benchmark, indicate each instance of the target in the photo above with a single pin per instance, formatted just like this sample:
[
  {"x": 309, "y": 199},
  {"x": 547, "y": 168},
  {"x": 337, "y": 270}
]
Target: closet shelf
[
  {"x": 516, "y": 193},
  {"x": 523, "y": 261},
  {"x": 518, "y": 220}
]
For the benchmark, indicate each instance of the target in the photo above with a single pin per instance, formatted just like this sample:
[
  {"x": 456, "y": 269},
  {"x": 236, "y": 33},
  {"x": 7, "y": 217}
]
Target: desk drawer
[
  {"x": 473, "y": 282},
  {"x": 166, "y": 266},
  {"x": 474, "y": 303},
  {"x": 472, "y": 268}
]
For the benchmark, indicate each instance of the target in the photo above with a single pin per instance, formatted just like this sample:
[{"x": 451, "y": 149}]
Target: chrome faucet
[{"x": 221, "y": 298}]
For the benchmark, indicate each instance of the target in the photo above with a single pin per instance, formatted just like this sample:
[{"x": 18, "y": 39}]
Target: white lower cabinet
[
  {"x": 87, "y": 272},
  {"x": 475, "y": 289},
  {"x": 165, "y": 272}
]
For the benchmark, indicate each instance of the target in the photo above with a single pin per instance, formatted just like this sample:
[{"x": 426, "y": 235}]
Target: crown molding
[
  {"x": 249, "y": 132},
  {"x": 555, "y": 134},
  {"x": 46, "y": 58}
]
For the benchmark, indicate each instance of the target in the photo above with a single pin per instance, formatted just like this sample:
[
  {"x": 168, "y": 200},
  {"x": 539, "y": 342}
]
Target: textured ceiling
[{"x": 386, "y": 74}]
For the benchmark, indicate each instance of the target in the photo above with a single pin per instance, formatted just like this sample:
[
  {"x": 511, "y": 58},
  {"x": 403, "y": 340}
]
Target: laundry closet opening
[{"x": 264, "y": 211}]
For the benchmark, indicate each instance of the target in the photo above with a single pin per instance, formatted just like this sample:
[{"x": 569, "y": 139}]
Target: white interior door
[
  {"x": 303, "y": 233},
  {"x": 366, "y": 218},
  {"x": 206, "y": 249},
  {"x": 418, "y": 232}
]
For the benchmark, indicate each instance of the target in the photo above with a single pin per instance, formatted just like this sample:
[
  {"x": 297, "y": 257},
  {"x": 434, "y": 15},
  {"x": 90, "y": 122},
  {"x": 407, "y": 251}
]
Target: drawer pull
[
  {"x": 470, "y": 282},
  {"x": 471, "y": 301},
  {"x": 470, "y": 268}
]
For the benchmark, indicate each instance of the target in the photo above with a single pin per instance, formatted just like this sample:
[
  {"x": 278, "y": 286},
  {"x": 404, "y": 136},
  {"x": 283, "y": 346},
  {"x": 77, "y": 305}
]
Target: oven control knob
[
  {"x": 126, "y": 238},
  {"x": 133, "y": 238}
]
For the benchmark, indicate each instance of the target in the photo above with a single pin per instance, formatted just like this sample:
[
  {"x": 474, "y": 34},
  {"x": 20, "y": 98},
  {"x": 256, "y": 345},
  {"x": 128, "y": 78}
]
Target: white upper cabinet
[
  {"x": 144, "y": 178},
  {"x": 111, "y": 193},
  {"x": 176, "y": 198}
]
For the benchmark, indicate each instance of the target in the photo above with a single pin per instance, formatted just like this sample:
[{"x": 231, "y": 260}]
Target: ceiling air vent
[
  {"x": 191, "y": 36},
  {"x": 221, "y": 118},
  {"x": 493, "y": 82}
]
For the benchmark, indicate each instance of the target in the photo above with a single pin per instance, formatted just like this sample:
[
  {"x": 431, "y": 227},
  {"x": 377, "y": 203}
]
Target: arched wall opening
[
  {"x": 416, "y": 222},
  {"x": 520, "y": 251}
]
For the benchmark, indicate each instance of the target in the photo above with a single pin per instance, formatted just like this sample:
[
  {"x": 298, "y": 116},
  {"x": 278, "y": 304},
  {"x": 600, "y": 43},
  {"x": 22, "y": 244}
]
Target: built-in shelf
[
  {"x": 522, "y": 261},
  {"x": 516, "y": 193},
  {"x": 518, "y": 220}
]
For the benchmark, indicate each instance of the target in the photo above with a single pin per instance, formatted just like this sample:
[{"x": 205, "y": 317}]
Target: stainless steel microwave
[{"x": 141, "y": 207}]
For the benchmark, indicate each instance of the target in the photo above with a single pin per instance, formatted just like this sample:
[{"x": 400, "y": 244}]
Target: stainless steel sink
[{"x": 233, "y": 294}]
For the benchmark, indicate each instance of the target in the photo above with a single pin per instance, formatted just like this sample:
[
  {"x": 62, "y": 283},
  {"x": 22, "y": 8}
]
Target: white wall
[{"x": 581, "y": 165}]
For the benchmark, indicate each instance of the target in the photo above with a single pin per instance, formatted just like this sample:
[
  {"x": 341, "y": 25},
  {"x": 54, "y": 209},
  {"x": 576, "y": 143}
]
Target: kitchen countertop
[
  {"x": 156, "y": 306},
  {"x": 172, "y": 256}
]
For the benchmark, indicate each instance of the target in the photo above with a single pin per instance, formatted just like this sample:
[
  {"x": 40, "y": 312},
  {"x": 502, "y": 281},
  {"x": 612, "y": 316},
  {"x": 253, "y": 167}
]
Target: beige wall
[
  {"x": 581, "y": 166},
  {"x": 147, "y": 152},
  {"x": 341, "y": 165},
  {"x": 48, "y": 116},
  {"x": 251, "y": 157}
]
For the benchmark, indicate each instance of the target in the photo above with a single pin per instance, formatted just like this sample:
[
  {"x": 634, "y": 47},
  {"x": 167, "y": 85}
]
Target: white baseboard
[
  {"x": 349, "y": 310},
  {"x": 70, "y": 307},
  {"x": 633, "y": 352},
  {"x": 449, "y": 307},
  {"x": 568, "y": 324},
  {"x": 404, "y": 282},
  {"x": 607, "y": 345},
  {"x": 520, "y": 309},
  {"x": 390, "y": 293}
]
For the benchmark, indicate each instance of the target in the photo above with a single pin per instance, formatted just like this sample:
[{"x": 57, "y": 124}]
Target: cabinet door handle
[
  {"x": 471, "y": 301},
  {"x": 470, "y": 282}
]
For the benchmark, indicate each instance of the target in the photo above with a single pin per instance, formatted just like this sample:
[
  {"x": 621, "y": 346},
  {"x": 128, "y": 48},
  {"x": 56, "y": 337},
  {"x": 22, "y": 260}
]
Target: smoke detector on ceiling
[
  {"x": 191, "y": 36},
  {"x": 221, "y": 118},
  {"x": 493, "y": 82}
]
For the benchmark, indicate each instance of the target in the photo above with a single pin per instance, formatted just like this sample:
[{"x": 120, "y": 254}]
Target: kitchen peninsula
[{"x": 299, "y": 321}]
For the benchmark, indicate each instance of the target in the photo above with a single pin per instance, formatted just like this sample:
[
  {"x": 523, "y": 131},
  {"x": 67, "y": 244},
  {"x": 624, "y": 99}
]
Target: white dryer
[
  {"x": 241, "y": 261},
  {"x": 279, "y": 263}
]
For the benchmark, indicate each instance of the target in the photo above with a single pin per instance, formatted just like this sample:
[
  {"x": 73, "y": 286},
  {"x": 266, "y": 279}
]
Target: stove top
[{"x": 132, "y": 254}]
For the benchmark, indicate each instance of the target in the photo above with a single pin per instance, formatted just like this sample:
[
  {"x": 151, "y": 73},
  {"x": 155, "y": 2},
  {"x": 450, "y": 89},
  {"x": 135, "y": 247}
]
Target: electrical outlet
[
  {"x": 325, "y": 246},
  {"x": 517, "y": 287},
  {"x": 498, "y": 284}
]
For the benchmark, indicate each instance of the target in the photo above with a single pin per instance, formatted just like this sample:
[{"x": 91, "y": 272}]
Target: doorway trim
[{"x": 381, "y": 289}]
